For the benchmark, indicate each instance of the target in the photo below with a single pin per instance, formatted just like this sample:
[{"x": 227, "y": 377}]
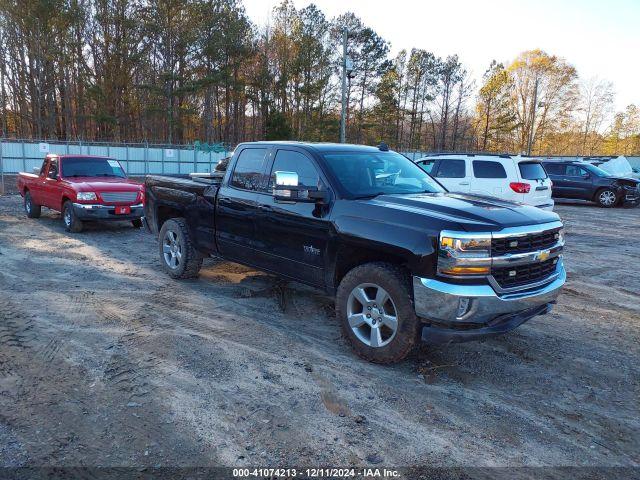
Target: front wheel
[
  {"x": 607, "y": 198},
  {"x": 32, "y": 210},
  {"x": 71, "y": 222},
  {"x": 375, "y": 310},
  {"x": 178, "y": 255}
]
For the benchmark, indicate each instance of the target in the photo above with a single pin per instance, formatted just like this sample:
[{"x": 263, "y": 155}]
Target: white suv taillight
[{"x": 520, "y": 187}]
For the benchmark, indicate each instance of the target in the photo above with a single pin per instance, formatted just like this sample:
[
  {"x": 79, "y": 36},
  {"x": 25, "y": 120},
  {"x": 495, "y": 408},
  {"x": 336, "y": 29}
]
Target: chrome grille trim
[{"x": 119, "y": 197}]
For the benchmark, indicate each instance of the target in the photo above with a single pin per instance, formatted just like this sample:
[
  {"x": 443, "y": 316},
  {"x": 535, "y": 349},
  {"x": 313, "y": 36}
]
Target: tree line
[{"x": 178, "y": 71}]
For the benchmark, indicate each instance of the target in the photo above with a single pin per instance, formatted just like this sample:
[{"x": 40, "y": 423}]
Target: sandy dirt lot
[{"x": 105, "y": 361}]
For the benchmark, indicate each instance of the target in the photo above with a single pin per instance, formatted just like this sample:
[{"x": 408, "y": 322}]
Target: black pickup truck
[{"x": 404, "y": 258}]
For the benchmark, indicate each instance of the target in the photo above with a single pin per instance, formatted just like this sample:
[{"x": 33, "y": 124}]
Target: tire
[
  {"x": 178, "y": 256},
  {"x": 136, "y": 222},
  {"x": 606, "y": 198},
  {"x": 69, "y": 219},
  {"x": 373, "y": 279},
  {"x": 32, "y": 210}
]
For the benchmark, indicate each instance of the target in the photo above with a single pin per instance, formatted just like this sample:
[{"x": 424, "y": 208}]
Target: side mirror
[
  {"x": 287, "y": 189},
  {"x": 36, "y": 170}
]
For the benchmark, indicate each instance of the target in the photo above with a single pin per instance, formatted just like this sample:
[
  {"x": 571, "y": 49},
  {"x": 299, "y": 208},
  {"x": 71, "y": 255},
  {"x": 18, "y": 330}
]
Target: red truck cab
[{"x": 82, "y": 188}]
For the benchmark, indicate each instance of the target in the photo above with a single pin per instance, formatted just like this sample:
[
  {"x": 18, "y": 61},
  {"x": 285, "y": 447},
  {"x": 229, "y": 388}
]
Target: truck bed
[{"x": 195, "y": 185}]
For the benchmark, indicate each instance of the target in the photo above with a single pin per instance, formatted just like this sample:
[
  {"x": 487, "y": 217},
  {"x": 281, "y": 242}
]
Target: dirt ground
[{"x": 105, "y": 361}]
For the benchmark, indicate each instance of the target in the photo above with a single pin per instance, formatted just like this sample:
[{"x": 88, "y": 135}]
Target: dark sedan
[{"x": 584, "y": 181}]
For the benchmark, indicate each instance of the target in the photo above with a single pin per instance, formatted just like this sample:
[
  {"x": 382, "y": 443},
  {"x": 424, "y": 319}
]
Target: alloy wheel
[
  {"x": 372, "y": 315},
  {"x": 172, "y": 249},
  {"x": 607, "y": 197}
]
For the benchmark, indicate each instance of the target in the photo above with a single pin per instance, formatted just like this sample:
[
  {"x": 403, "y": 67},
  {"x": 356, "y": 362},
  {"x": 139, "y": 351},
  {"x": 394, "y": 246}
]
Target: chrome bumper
[
  {"x": 86, "y": 211},
  {"x": 452, "y": 304}
]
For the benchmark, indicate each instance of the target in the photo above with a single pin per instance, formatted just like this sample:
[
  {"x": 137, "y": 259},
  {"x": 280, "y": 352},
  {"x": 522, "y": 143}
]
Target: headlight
[
  {"x": 559, "y": 236},
  {"x": 86, "y": 196},
  {"x": 462, "y": 254}
]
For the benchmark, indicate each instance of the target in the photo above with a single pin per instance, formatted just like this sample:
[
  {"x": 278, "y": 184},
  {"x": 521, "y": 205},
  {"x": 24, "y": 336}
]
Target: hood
[
  {"x": 106, "y": 184},
  {"x": 471, "y": 212},
  {"x": 624, "y": 180}
]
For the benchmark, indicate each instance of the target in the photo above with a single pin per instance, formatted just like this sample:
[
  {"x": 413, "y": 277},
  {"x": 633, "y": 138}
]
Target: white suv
[{"x": 514, "y": 178}]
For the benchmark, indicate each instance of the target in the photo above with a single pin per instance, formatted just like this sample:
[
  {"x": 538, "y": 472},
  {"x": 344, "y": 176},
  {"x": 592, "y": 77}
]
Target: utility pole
[
  {"x": 533, "y": 116},
  {"x": 343, "y": 115}
]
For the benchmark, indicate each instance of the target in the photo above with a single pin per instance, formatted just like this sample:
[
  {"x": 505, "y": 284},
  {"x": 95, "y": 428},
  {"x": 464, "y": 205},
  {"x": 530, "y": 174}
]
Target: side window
[
  {"x": 554, "y": 169},
  {"x": 53, "y": 169},
  {"x": 451, "y": 169},
  {"x": 247, "y": 173},
  {"x": 427, "y": 165},
  {"x": 575, "y": 171},
  {"x": 290, "y": 161},
  {"x": 487, "y": 169}
]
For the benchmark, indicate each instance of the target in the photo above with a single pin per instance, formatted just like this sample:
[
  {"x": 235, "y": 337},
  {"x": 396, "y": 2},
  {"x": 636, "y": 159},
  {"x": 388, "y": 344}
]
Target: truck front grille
[
  {"x": 119, "y": 197},
  {"x": 508, "y": 277},
  {"x": 522, "y": 244}
]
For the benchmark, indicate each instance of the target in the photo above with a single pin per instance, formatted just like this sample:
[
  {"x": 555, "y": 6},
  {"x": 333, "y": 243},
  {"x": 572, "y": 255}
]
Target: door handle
[
  {"x": 464, "y": 183},
  {"x": 265, "y": 207}
]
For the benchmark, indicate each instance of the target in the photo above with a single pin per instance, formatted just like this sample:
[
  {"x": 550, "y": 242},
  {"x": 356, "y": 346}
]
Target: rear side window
[
  {"x": 249, "y": 167},
  {"x": 575, "y": 171},
  {"x": 532, "y": 171},
  {"x": 290, "y": 161},
  {"x": 487, "y": 169},
  {"x": 451, "y": 169},
  {"x": 554, "y": 169}
]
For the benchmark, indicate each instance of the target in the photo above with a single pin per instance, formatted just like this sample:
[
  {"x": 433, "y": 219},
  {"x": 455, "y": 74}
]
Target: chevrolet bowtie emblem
[{"x": 542, "y": 256}]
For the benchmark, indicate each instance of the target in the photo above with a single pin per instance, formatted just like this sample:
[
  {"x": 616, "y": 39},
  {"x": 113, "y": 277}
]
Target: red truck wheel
[
  {"x": 33, "y": 210},
  {"x": 71, "y": 222}
]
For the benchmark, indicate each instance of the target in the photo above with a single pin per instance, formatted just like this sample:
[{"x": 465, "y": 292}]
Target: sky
[{"x": 601, "y": 38}]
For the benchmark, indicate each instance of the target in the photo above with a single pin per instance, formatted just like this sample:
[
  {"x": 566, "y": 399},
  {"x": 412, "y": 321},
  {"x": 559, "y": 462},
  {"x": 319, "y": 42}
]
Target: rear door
[
  {"x": 237, "y": 208},
  {"x": 292, "y": 236},
  {"x": 534, "y": 174},
  {"x": 556, "y": 172},
  {"x": 490, "y": 178},
  {"x": 453, "y": 174}
]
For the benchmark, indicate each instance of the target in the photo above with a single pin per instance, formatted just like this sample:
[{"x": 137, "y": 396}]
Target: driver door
[
  {"x": 52, "y": 190},
  {"x": 293, "y": 236}
]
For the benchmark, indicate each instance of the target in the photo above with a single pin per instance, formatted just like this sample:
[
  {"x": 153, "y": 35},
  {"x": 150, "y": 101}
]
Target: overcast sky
[{"x": 599, "y": 37}]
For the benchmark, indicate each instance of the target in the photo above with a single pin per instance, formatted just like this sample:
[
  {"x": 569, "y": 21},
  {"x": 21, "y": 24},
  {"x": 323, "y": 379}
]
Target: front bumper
[
  {"x": 105, "y": 212},
  {"x": 631, "y": 199},
  {"x": 459, "y": 313}
]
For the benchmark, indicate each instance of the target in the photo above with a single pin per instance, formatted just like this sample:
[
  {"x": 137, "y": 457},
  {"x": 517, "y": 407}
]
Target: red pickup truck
[{"x": 82, "y": 188}]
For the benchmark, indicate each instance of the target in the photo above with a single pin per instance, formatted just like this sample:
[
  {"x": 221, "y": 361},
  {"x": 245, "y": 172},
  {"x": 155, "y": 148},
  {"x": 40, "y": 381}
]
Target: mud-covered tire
[
  {"x": 606, "y": 198},
  {"x": 178, "y": 255},
  {"x": 69, "y": 219},
  {"x": 32, "y": 210},
  {"x": 395, "y": 281},
  {"x": 136, "y": 222}
]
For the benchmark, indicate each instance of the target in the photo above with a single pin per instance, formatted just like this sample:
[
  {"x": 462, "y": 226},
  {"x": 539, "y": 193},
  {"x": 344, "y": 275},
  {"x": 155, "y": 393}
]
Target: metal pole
[
  {"x": 533, "y": 117},
  {"x": 1, "y": 169},
  {"x": 343, "y": 115}
]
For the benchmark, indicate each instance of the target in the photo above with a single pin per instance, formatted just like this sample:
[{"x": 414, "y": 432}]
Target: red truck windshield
[{"x": 91, "y": 167}]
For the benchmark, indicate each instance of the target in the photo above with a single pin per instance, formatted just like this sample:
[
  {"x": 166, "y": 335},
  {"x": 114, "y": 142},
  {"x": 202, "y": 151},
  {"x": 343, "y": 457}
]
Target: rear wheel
[
  {"x": 375, "y": 310},
  {"x": 606, "y": 198},
  {"x": 178, "y": 255},
  {"x": 33, "y": 210},
  {"x": 71, "y": 222}
]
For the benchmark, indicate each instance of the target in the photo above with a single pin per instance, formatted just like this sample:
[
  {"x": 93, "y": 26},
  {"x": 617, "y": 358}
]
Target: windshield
[
  {"x": 595, "y": 170},
  {"x": 367, "y": 174},
  {"x": 91, "y": 167}
]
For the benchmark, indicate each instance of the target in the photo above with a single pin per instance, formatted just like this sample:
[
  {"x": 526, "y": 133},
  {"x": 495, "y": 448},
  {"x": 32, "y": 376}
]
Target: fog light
[{"x": 463, "y": 306}]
